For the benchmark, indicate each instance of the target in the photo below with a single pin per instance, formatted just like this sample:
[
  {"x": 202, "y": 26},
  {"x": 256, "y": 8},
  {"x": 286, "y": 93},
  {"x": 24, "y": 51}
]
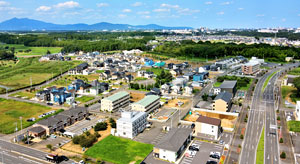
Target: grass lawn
[
  {"x": 217, "y": 84},
  {"x": 268, "y": 79},
  {"x": 34, "y": 50},
  {"x": 285, "y": 90},
  {"x": 140, "y": 78},
  {"x": 295, "y": 71},
  {"x": 11, "y": 111},
  {"x": 84, "y": 99},
  {"x": 29, "y": 95},
  {"x": 294, "y": 126},
  {"x": 156, "y": 71},
  {"x": 246, "y": 87},
  {"x": 119, "y": 150},
  {"x": 18, "y": 75},
  {"x": 260, "y": 149}
]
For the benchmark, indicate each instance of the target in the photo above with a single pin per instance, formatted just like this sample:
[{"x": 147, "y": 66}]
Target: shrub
[
  {"x": 112, "y": 123},
  {"x": 97, "y": 134},
  {"x": 49, "y": 146},
  {"x": 278, "y": 118},
  {"x": 283, "y": 155},
  {"x": 100, "y": 126},
  {"x": 87, "y": 133},
  {"x": 241, "y": 136},
  {"x": 240, "y": 146},
  {"x": 281, "y": 140}
]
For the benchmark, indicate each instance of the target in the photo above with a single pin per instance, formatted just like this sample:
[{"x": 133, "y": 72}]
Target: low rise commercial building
[
  {"x": 115, "y": 102},
  {"x": 250, "y": 68},
  {"x": 131, "y": 124},
  {"x": 147, "y": 104},
  {"x": 173, "y": 144}
]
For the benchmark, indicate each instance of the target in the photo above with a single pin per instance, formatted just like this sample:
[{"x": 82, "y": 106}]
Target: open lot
[
  {"x": 20, "y": 49},
  {"x": 19, "y": 75},
  {"x": 136, "y": 96},
  {"x": 119, "y": 150},
  {"x": 84, "y": 99},
  {"x": 11, "y": 111}
]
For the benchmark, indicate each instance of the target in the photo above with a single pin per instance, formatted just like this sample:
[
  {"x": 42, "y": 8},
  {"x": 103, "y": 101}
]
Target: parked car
[
  {"x": 81, "y": 162},
  {"x": 87, "y": 118},
  {"x": 221, "y": 142},
  {"x": 215, "y": 155},
  {"x": 84, "y": 129},
  {"x": 64, "y": 158},
  {"x": 211, "y": 162},
  {"x": 196, "y": 146},
  {"x": 50, "y": 104},
  {"x": 190, "y": 153}
]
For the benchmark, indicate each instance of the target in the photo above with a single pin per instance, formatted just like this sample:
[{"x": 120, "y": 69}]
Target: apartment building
[
  {"x": 131, "y": 124},
  {"x": 115, "y": 101},
  {"x": 250, "y": 68},
  {"x": 222, "y": 102},
  {"x": 207, "y": 127},
  {"x": 147, "y": 104}
]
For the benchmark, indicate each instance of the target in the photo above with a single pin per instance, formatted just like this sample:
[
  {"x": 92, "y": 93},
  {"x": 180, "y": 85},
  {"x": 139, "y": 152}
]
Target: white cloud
[
  {"x": 68, "y": 4},
  {"x": 161, "y": 10},
  {"x": 102, "y": 4},
  {"x": 208, "y": 2},
  {"x": 146, "y": 16},
  {"x": 169, "y": 6},
  {"x": 136, "y": 4},
  {"x": 260, "y": 15},
  {"x": 240, "y": 8},
  {"x": 4, "y": 3},
  {"x": 187, "y": 11},
  {"x": 126, "y": 10},
  {"x": 122, "y": 15},
  {"x": 143, "y": 12},
  {"x": 221, "y": 13},
  {"x": 43, "y": 8},
  {"x": 226, "y": 3}
]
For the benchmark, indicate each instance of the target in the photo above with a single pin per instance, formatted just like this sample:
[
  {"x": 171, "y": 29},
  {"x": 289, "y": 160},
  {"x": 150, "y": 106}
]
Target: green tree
[
  {"x": 49, "y": 146},
  {"x": 100, "y": 126},
  {"x": 297, "y": 85}
]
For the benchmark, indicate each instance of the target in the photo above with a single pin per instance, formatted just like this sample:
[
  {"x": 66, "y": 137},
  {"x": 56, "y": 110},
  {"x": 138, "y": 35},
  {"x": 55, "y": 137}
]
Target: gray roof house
[
  {"x": 226, "y": 96},
  {"x": 229, "y": 86},
  {"x": 174, "y": 142}
]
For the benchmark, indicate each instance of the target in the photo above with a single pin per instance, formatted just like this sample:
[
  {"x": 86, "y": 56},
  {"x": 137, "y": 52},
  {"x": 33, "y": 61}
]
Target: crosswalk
[{"x": 184, "y": 126}]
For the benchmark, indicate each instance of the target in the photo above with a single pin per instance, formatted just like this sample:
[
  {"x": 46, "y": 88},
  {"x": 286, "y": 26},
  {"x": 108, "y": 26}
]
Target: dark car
[
  {"x": 211, "y": 162},
  {"x": 216, "y": 156},
  {"x": 64, "y": 158},
  {"x": 50, "y": 104},
  {"x": 87, "y": 118},
  {"x": 193, "y": 148}
]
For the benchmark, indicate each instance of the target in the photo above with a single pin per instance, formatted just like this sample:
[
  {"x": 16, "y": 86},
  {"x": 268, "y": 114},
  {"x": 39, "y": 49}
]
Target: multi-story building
[
  {"x": 207, "y": 127},
  {"x": 131, "y": 124},
  {"x": 147, "y": 104},
  {"x": 222, "y": 102},
  {"x": 115, "y": 101},
  {"x": 250, "y": 68}
]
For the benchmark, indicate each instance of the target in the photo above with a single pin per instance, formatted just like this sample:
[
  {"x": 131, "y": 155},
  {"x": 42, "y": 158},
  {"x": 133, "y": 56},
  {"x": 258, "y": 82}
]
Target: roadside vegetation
[
  {"x": 268, "y": 79},
  {"x": 260, "y": 149},
  {"x": 119, "y": 150},
  {"x": 294, "y": 126},
  {"x": 243, "y": 83}
]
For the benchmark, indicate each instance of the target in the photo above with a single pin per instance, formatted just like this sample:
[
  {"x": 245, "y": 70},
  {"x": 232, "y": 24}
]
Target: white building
[
  {"x": 132, "y": 52},
  {"x": 255, "y": 59},
  {"x": 188, "y": 90},
  {"x": 216, "y": 90},
  {"x": 115, "y": 101},
  {"x": 207, "y": 127},
  {"x": 298, "y": 111},
  {"x": 131, "y": 124},
  {"x": 147, "y": 104}
]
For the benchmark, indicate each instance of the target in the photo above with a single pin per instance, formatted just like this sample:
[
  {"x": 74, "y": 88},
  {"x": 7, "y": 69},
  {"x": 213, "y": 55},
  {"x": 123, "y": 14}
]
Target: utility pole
[
  {"x": 21, "y": 124},
  {"x": 16, "y": 129}
]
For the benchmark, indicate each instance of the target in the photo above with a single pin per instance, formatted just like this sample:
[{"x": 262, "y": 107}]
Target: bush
[
  {"x": 112, "y": 123},
  {"x": 240, "y": 146},
  {"x": 281, "y": 140},
  {"x": 50, "y": 147},
  {"x": 97, "y": 135},
  {"x": 77, "y": 139},
  {"x": 241, "y": 136},
  {"x": 245, "y": 120},
  {"x": 100, "y": 126},
  {"x": 278, "y": 118},
  {"x": 283, "y": 155},
  {"x": 87, "y": 133}
]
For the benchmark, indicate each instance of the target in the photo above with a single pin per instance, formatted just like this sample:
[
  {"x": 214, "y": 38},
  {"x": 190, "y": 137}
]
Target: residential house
[
  {"x": 165, "y": 88},
  {"x": 79, "y": 70},
  {"x": 289, "y": 80},
  {"x": 37, "y": 131},
  {"x": 106, "y": 75},
  {"x": 188, "y": 90},
  {"x": 222, "y": 102},
  {"x": 173, "y": 144},
  {"x": 208, "y": 128},
  {"x": 229, "y": 86},
  {"x": 131, "y": 124}
]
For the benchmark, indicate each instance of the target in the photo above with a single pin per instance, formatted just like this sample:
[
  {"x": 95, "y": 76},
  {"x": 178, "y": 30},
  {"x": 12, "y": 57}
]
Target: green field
[
  {"x": 217, "y": 84},
  {"x": 11, "y": 111},
  {"x": 285, "y": 90},
  {"x": 18, "y": 75},
  {"x": 119, "y": 150},
  {"x": 294, "y": 126},
  {"x": 34, "y": 50},
  {"x": 295, "y": 71},
  {"x": 140, "y": 78},
  {"x": 260, "y": 149},
  {"x": 21, "y": 94},
  {"x": 156, "y": 71},
  {"x": 84, "y": 99},
  {"x": 268, "y": 79}
]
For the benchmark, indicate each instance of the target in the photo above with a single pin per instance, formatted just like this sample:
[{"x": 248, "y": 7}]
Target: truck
[{"x": 53, "y": 158}]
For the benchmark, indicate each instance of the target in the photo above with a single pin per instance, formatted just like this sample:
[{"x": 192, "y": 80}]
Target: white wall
[
  {"x": 210, "y": 130},
  {"x": 167, "y": 155}
]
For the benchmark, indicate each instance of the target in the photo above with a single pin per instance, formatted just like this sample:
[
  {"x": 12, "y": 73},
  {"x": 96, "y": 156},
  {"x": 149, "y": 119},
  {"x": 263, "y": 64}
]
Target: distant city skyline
[{"x": 192, "y": 13}]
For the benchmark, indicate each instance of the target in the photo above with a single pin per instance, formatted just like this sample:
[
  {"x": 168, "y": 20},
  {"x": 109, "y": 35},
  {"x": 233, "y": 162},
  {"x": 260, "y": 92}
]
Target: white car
[
  {"x": 196, "y": 146},
  {"x": 81, "y": 162},
  {"x": 190, "y": 153},
  {"x": 215, "y": 153}
]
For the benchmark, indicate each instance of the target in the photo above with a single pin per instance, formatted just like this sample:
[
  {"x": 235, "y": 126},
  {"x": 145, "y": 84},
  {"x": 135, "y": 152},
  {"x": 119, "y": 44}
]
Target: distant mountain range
[{"x": 25, "y": 24}]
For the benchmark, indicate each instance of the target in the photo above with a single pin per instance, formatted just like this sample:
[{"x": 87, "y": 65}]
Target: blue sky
[{"x": 193, "y": 13}]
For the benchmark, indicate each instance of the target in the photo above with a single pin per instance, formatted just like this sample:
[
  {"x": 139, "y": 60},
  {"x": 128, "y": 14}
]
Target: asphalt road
[{"x": 14, "y": 154}]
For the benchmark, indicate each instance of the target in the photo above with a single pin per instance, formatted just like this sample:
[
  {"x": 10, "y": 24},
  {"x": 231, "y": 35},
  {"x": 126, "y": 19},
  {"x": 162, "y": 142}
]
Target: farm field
[
  {"x": 18, "y": 75},
  {"x": 20, "y": 50},
  {"x": 11, "y": 111},
  {"x": 119, "y": 150}
]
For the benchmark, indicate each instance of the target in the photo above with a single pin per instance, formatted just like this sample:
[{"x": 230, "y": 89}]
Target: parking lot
[
  {"x": 77, "y": 128},
  {"x": 202, "y": 156}
]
